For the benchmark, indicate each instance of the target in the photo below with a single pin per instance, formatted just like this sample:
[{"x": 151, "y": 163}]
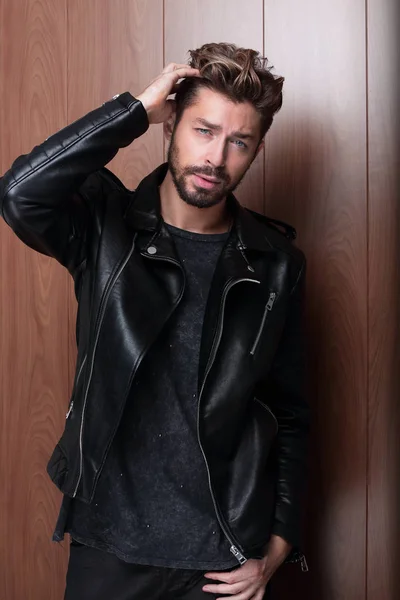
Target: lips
[
  {"x": 204, "y": 181},
  {"x": 209, "y": 178}
]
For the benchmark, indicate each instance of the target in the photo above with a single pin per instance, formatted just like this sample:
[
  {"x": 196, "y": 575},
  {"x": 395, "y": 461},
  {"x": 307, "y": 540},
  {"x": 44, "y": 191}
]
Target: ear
[
  {"x": 260, "y": 147},
  {"x": 168, "y": 125}
]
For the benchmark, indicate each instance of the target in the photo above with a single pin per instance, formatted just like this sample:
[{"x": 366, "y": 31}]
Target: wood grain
[
  {"x": 191, "y": 23},
  {"x": 384, "y": 300},
  {"x": 315, "y": 178},
  {"x": 33, "y": 313},
  {"x": 331, "y": 168},
  {"x": 113, "y": 48},
  {"x": 116, "y": 47}
]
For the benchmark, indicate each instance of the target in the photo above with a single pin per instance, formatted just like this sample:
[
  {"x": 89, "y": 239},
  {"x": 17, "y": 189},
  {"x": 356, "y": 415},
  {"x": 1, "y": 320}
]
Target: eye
[
  {"x": 203, "y": 131},
  {"x": 240, "y": 144}
]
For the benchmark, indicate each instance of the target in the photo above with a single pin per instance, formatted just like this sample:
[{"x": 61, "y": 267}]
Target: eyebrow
[{"x": 238, "y": 134}]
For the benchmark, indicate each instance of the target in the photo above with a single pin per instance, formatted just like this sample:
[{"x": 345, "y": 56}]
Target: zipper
[
  {"x": 299, "y": 558},
  {"x": 217, "y": 339},
  {"x": 303, "y": 563},
  {"x": 96, "y": 339},
  {"x": 75, "y": 386},
  {"x": 238, "y": 555},
  {"x": 268, "y": 307}
]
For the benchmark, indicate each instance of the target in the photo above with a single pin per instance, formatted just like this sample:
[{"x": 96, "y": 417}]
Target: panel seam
[
  {"x": 163, "y": 64},
  {"x": 69, "y": 303},
  {"x": 264, "y": 152},
  {"x": 367, "y": 434}
]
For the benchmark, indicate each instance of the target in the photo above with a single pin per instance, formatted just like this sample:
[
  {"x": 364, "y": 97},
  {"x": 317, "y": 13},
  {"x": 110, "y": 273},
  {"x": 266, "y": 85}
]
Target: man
[{"x": 183, "y": 453}]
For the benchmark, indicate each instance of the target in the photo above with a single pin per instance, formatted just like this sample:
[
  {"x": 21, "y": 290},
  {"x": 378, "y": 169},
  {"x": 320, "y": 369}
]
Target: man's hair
[{"x": 240, "y": 74}]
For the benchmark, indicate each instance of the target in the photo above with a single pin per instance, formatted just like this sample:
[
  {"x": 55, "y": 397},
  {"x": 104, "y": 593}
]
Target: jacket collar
[{"x": 143, "y": 213}]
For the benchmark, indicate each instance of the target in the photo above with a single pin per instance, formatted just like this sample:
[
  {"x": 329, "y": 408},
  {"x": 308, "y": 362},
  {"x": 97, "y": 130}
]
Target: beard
[{"x": 199, "y": 197}]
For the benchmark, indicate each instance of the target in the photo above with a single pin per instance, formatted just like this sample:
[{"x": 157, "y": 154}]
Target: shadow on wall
[
  {"x": 293, "y": 179},
  {"x": 394, "y": 434},
  {"x": 302, "y": 190}
]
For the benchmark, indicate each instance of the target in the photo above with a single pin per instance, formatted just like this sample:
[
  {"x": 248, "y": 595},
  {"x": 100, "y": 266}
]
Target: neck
[{"x": 178, "y": 213}]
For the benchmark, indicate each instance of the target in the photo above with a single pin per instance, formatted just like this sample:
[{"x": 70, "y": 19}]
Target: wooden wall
[
  {"x": 383, "y": 206},
  {"x": 34, "y": 326},
  {"x": 330, "y": 167}
]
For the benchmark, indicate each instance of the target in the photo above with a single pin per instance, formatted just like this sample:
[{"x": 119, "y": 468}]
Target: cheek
[
  {"x": 237, "y": 165},
  {"x": 190, "y": 151}
]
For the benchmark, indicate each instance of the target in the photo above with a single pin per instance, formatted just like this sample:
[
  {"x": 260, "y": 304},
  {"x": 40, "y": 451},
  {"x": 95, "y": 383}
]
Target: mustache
[{"x": 218, "y": 173}]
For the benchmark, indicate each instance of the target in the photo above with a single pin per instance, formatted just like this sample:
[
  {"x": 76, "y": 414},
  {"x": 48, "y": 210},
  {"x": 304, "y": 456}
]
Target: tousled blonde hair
[{"x": 241, "y": 74}]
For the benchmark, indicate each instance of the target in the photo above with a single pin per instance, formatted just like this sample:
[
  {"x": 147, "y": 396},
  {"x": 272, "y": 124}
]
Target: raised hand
[{"x": 155, "y": 97}]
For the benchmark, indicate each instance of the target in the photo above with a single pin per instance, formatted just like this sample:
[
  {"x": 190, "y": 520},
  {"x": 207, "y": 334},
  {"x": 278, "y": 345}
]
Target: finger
[
  {"x": 247, "y": 594},
  {"x": 259, "y": 595},
  {"x": 247, "y": 571},
  {"x": 175, "y": 88},
  {"x": 173, "y": 66},
  {"x": 225, "y": 576},
  {"x": 230, "y": 576},
  {"x": 182, "y": 72},
  {"x": 170, "y": 67},
  {"x": 225, "y": 588}
]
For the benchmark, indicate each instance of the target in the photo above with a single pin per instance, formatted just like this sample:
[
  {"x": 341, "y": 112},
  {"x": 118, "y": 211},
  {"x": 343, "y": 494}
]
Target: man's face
[{"x": 212, "y": 147}]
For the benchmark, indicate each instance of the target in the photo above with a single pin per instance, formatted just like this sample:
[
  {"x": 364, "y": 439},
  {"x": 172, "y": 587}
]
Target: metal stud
[{"x": 151, "y": 250}]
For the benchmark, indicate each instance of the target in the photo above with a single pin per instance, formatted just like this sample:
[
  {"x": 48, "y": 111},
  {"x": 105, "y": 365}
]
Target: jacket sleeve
[
  {"x": 284, "y": 391},
  {"x": 41, "y": 195}
]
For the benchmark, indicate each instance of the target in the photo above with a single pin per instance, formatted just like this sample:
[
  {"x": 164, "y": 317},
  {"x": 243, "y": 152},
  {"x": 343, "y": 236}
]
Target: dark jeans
[{"x": 97, "y": 575}]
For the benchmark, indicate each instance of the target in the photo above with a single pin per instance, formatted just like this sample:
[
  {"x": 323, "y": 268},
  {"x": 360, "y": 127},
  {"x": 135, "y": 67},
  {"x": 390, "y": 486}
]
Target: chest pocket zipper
[{"x": 268, "y": 308}]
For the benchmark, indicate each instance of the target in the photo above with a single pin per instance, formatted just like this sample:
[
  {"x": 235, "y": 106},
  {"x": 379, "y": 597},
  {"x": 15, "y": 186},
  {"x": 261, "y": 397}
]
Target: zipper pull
[
  {"x": 303, "y": 563},
  {"x": 271, "y": 300},
  {"x": 70, "y": 409},
  {"x": 238, "y": 555}
]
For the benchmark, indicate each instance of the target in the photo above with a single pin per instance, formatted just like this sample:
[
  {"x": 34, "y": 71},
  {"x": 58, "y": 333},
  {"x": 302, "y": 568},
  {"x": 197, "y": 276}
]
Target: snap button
[{"x": 152, "y": 250}]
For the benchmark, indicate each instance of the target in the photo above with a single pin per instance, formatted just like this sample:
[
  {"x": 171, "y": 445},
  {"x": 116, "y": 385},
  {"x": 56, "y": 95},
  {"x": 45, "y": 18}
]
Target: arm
[
  {"x": 284, "y": 390},
  {"x": 40, "y": 195}
]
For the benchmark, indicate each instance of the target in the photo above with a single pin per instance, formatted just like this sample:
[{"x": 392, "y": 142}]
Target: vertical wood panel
[
  {"x": 33, "y": 313},
  {"x": 72, "y": 56},
  {"x": 316, "y": 179},
  {"x": 191, "y": 23},
  {"x": 113, "y": 48},
  {"x": 384, "y": 298}
]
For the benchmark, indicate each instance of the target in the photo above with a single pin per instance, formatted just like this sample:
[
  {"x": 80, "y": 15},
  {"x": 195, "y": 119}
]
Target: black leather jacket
[{"x": 252, "y": 416}]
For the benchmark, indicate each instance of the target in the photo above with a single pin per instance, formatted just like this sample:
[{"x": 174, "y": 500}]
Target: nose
[{"x": 216, "y": 155}]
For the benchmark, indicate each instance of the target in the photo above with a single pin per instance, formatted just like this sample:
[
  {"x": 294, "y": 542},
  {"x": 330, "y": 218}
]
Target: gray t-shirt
[{"x": 153, "y": 504}]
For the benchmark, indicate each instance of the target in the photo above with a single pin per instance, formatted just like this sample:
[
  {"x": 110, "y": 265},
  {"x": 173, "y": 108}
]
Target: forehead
[{"x": 219, "y": 110}]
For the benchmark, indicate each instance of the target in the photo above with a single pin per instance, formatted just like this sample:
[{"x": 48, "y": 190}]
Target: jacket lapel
[{"x": 247, "y": 241}]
